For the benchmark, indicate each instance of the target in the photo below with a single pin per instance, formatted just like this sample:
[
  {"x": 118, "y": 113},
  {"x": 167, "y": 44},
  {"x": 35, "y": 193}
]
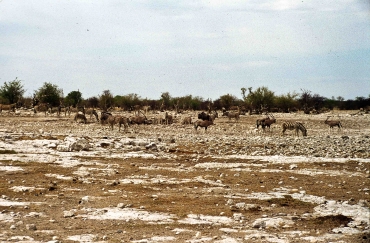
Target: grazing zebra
[
  {"x": 294, "y": 126},
  {"x": 92, "y": 112},
  {"x": 80, "y": 118}
]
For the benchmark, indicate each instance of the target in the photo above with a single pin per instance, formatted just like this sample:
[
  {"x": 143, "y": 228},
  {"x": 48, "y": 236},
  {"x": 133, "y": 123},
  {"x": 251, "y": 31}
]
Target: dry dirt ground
[{"x": 168, "y": 183}]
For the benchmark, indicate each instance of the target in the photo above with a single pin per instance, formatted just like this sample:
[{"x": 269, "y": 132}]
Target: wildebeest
[
  {"x": 201, "y": 123},
  {"x": 204, "y": 116},
  {"x": 104, "y": 116}
]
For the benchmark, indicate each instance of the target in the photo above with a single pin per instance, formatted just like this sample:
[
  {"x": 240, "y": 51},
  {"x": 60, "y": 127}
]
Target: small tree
[
  {"x": 127, "y": 101},
  {"x": 286, "y": 102},
  {"x": 228, "y": 100},
  {"x": 92, "y": 102},
  {"x": 260, "y": 99},
  {"x": 73, "y": 98},
  {"x": 166, "y": 100},
  {"x": 49, "y": 93},
  {"x": 106, "y": 100},
  {"x": 12, "y": 91}
]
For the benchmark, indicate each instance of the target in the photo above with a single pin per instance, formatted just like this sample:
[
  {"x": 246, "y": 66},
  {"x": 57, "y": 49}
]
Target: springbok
[{"x": 333, "y": 123}]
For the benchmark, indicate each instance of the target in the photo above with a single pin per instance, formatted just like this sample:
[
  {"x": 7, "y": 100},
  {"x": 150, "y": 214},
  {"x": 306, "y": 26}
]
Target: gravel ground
[{"x": 63, "y": 181}]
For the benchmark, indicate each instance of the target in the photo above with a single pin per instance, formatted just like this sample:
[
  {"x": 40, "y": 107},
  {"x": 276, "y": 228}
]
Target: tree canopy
[
  {"x": 73, "y": 98},
  {"x": 49, "y": 93},
  {"x": 12, "y": 92}
]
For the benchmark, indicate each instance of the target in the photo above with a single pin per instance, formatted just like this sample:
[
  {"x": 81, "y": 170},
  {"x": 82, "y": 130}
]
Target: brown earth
[{"x": 172, "y": 183}]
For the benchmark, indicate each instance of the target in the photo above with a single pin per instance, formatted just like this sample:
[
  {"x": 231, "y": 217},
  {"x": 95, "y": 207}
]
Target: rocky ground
[{"x": 62, "y": 181}]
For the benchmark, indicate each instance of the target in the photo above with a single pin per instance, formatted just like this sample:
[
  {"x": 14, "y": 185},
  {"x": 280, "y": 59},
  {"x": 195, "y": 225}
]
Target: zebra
[{"x": 294, "y": 126}]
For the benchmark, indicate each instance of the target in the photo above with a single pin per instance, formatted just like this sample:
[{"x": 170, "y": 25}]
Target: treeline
[{"x": 254, "y": 101}]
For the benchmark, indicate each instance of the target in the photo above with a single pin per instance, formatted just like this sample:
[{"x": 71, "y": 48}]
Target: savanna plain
[{"x": 64, "y": 181}]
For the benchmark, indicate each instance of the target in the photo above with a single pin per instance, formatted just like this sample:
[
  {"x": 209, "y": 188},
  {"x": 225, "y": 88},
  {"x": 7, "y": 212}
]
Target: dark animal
[
  {"x": 266, "y": 122},
  {"x": 204, "y": 116},
  {"x": 104, "y": 117},
  {"x": 201, "y": 123},
  {"x": 333, "y": 123}
]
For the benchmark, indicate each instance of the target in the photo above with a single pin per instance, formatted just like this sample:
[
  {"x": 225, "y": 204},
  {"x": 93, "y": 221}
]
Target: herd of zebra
[{"x": 204, "y": 119}]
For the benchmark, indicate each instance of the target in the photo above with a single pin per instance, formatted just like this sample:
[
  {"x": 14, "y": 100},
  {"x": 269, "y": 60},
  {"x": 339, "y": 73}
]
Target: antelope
[
  {"x": 186, "y": 120},
  {"x": 294, "y": 126},
  {"x": 168, "y": 118},
  {"x": 333, "y": 123},
  {"x": 266, "y": 122},
  {"x": 118, "y": 120},
  {"x": 43, "y": 107},
  {"x": 8, "y": 108},
  {"x": 214, "y": 115},
  {"x": 201, "y": 123},
  {"x": 235, "y": 115},
  {"x": 139, "y": 119}
]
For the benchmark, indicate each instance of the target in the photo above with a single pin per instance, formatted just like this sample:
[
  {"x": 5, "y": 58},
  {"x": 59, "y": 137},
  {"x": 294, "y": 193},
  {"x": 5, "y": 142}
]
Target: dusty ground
[{"x": 162, "y": 183}]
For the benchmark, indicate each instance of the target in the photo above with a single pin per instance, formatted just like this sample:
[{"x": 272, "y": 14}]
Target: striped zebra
[{"x": 294, "y": 126}]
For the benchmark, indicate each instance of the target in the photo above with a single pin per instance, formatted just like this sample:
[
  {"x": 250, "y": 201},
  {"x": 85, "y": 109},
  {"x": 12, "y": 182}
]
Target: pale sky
[{"x": 198, "y": 48}]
